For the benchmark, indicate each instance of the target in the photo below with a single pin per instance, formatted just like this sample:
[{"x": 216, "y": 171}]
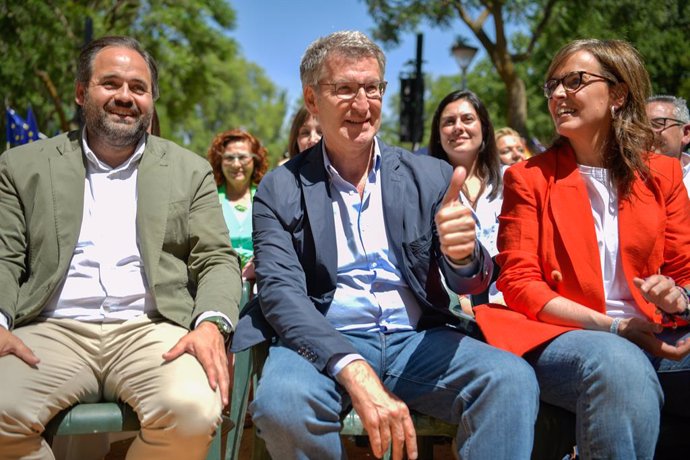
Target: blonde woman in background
[{"x": 511, "y": 147}]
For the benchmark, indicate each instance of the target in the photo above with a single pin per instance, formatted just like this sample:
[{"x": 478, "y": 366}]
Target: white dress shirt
[
  {"x": 685, "y": 163},
  {"x": 603, "y": 198},
  {"x": 105, "y": 281}
]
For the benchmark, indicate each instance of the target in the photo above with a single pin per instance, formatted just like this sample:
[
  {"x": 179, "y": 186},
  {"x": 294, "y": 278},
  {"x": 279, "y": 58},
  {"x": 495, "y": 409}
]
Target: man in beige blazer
[{"x": 117, "y": 280}]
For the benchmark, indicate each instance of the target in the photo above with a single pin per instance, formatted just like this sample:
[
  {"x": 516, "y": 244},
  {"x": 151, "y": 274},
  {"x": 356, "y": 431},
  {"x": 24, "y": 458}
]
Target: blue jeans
[
  {"x": 492, "y": 395},
  {"x": 674, "y": 376},
  {"x": 610, "y": 385}
]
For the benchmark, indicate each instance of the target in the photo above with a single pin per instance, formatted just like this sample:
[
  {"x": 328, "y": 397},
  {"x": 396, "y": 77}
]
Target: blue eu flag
[
  {"x": 20, "y": 131},
  {"x": 16, "y": 134},
  {"x": 32, "y": 126}
]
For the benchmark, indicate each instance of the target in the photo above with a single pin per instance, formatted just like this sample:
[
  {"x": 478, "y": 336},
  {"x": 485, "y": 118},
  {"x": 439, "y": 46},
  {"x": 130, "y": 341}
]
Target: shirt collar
[
  {"x": 330, "y": 169},
  {"x": 685, "y": 159},
  {"x": 99, "y": 165}
]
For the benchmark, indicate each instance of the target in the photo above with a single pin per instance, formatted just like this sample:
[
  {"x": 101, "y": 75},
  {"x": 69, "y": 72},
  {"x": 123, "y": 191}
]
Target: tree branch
[
  {"x": 48, "y": 83},
  {"x": 63, "y": 20},
  {"x": 476, "y": 27},
  {"x": 536, "y": 32}
]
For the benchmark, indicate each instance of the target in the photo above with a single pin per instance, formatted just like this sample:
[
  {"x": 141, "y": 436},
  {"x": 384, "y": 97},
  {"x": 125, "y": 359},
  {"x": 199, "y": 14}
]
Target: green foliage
[
  {"x": 206, "y": 86},
  {"x": 659, "y": 30}
]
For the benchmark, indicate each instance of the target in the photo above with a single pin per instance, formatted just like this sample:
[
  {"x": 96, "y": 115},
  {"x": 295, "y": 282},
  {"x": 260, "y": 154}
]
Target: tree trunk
[{"x": 517, "y": 105}]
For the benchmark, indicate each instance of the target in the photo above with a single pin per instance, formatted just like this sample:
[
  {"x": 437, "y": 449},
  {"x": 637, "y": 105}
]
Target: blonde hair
[{"x": 507, "y": 131}]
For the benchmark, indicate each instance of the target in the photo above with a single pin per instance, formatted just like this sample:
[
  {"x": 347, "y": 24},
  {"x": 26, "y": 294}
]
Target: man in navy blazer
[{"x": 352, "y": 239}]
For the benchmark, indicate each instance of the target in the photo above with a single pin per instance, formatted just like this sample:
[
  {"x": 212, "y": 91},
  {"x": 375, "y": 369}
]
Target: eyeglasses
[
  {"x": 348, "y": 90},
  {"x": 662, "y": 123},
  {"x": 572, "y": 81},
  {"x": 243, "y": 158}
]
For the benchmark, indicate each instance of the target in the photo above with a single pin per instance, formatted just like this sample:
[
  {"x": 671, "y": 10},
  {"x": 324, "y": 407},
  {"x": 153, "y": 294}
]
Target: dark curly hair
[{"x": 220, "y": 142}]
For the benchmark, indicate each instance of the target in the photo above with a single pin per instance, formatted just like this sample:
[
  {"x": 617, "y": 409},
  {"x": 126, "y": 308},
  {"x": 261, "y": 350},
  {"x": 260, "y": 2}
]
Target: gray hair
[
  {"x": 89, "y": 52},
  {"x": 349, "y": 43},
  {"x": 680, "y": 107}
]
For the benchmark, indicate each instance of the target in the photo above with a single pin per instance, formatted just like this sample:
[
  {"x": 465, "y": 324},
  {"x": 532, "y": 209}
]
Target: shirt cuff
[
  {"x": 211, "y": 313},
  {"x": 338, "y": 362},
  {"x": 4, "y": 320},
  {"x": 469, "y": 269}
]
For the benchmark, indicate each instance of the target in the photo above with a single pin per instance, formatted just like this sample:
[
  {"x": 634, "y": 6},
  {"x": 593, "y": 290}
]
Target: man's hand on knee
[
  {"x": 10, "y": 344},
  {"x": 385, "y": 417},
  {"x": 208, "y": 346}
]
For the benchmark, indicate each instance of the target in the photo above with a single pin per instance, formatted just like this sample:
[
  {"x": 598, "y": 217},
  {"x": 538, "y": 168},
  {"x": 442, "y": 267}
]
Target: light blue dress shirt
[{"x": 370, "y": 292}]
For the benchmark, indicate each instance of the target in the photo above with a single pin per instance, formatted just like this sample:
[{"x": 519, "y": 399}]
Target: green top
[{"x": 238, "y": 219}]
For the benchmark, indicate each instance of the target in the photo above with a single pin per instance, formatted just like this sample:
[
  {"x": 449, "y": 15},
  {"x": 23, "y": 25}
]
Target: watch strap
[{"x": 222, "y": 325}]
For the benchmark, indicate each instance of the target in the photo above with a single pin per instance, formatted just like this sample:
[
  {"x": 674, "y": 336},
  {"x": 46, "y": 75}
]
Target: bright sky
[{"x": 275, "y": 33}]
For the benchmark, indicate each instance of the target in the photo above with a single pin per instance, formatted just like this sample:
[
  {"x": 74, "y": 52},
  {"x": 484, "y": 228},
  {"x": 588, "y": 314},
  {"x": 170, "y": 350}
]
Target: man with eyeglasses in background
[
  {"x": 671, "y": 124},
  {"x": 352, "y": 239}
]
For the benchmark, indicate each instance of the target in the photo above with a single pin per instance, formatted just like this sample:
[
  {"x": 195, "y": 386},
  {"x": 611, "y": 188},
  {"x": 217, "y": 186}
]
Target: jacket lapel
[
  {"x": 153, "y": 192},
  {"x": 639, "y": 231},
  {"x": 319, "y": 208},
  {"x": 68, "y": 172},
  {"x": 392, "y": 192},
  {"x": 572, "y": 215}
]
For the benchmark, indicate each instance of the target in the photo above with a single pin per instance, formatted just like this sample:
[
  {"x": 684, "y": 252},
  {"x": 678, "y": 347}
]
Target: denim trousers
[
  {"x": 674, "y": 376},
  {"x": 610, "y": 385},
  {"x": 492, "y": 395}
]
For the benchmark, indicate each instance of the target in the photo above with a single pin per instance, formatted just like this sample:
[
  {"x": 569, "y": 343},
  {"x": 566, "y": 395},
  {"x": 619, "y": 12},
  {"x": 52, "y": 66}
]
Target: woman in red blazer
[{"x": 594, "y": 245}]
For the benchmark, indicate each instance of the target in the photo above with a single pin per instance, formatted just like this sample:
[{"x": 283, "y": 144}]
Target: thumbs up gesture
[{"x": 454, "y": 222}]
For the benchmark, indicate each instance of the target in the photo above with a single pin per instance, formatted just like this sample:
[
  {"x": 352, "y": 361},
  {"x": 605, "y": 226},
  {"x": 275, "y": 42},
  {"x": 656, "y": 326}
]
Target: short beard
[{"x": 118, "y": 135}]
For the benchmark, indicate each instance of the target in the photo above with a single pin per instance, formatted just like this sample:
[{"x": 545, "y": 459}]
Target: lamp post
[{"x": 463, "y": 54}]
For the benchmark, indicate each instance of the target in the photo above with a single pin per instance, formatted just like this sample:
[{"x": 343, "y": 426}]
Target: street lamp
[{"x": 463, "y": 54}]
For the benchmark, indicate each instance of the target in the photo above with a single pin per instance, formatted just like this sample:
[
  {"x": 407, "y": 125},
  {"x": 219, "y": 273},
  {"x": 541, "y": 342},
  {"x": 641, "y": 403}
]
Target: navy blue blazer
[{"x": 296, "y": 260}]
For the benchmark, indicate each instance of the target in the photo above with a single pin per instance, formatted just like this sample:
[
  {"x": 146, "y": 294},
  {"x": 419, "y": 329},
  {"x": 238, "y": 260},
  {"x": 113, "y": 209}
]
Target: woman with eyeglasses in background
[
  {"x": 595, "y": 257},
  {"x": 239, "y": 162}
]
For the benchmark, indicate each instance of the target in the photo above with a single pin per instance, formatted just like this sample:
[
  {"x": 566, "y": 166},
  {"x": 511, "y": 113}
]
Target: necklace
[
  {"x": 243, "y": 203},
  {"x": 473, "y": 200}
]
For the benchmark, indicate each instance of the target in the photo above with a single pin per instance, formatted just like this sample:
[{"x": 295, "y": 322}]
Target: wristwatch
[{"x": 222, "y": 325}]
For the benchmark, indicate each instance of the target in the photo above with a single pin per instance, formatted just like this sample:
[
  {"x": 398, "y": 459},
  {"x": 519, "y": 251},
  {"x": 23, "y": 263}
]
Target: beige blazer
[{"x": 189, "y": 264}]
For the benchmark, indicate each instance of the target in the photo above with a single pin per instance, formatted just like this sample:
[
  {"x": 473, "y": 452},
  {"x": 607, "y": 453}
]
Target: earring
[{"x": 613, "y": 112}]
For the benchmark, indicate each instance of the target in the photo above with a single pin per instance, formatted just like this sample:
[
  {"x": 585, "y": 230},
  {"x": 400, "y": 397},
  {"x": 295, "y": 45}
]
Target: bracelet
[
  {"x": 614, "y": 326},
  {"x": 685, "y": 314}
]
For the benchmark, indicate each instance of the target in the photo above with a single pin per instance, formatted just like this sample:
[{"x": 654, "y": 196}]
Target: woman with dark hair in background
[
  {"x": 239, "y": 162},
  {"x": 595, "y": 257},
  {"x": 304, "y": 132},
  {"x": 462, "y": 135}
]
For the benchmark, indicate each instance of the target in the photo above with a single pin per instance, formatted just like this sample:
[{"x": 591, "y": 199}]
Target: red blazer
[{"x": 548, "y": 245}]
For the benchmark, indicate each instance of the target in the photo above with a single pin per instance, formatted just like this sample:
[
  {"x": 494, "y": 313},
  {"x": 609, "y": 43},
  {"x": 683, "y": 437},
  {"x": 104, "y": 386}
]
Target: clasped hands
[{"x": 662, "y": 292}]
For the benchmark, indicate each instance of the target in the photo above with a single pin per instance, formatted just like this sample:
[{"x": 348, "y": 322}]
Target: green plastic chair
[{"x": 113, "y": 417}]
